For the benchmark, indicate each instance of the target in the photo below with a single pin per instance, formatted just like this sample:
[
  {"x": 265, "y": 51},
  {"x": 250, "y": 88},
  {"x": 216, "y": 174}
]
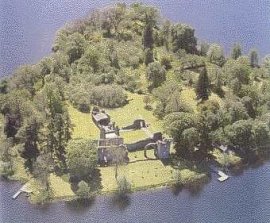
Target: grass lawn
[
  {"x": 133, "y": 110},
  {"x": 188, "y": 95},
  {"x": 83, "y": 126},
  {"x": 133, "y": 136},
  {"x": 145, "y": 173},
  {"x": 60, "y": 187}
]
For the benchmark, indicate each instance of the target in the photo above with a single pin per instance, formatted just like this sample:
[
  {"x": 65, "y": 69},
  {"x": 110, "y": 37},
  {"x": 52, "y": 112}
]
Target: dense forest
[{"x": 98, "y": 60}]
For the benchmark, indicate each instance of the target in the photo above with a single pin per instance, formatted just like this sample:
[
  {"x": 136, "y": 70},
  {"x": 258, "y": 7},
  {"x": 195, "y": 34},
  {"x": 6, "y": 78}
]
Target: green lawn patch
[
  {"x": 133, "y": 136},
  {"x": 126, "y": 115},
  {"x": 83, "y": 126},
  {"x": 146, "y": 173}
]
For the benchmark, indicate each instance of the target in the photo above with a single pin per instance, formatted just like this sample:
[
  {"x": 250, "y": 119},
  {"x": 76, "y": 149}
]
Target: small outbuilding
[{"x": 100, "y": 118}]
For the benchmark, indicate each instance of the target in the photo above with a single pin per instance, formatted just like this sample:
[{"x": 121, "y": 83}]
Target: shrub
[
  {"x": 108, "y": 96},
  {"x": 166, "y": 62},
  {"x": 123, "y": 186},
  {"x": 83, "y": 189}
]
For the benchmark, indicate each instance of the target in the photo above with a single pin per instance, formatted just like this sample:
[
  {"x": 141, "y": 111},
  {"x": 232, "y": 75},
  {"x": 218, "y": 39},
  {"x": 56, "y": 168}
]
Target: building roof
[{"x": 100, "y": 116}]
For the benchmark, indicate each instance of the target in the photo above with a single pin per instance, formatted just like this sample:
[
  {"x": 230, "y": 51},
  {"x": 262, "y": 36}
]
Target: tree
[
  {"x": 166, "y": 95},
  {"x": 190, "y": 139},
  {"x": 266, "y": 64},
  {"x": 148, "y": 39},
  {"x": 204, "y": 47},
  {"x": 236, "y": 52},
  {"x": 240, "y": 134},
  {"x": 123, "y": 186},
  {"x": 57, "y": 130},
  {"x": 215, "y": 55},
  {"x": 3, "y": 86},
  {"x": 90, "y": 59},
  {"x": 6, "y": 157},
  {"x": 30, "y": 134},
  {"x": 41, "y": 170},
  {"x": 75, "y": 46},
  {"x": 147, "y": 101},
  {"x": 155, "y": 74},
  {"x": 81, "y": 157},
  {"x": 260, "y": 133},
  {"x": 149, "y": 56},
  {"x": 119, "y": 156},
  {"x": 254, "y": 58},
  {"x": 25, "y": 77},
  {"x": 183, "y": 38},
  {"x": 108, "y": 96},
  {"x": 203, "y": 85},
  {"x": 176, "y": 123},
  {"x": 83, "y": 189}
]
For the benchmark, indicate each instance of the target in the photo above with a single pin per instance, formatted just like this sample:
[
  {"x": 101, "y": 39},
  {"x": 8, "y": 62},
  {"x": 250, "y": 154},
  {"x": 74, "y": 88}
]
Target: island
[{"x": 128, "y": 100}]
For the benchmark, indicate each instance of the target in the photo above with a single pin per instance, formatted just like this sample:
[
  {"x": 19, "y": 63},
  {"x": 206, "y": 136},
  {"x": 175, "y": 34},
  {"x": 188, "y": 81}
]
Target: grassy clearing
[
  {"x": 145, "y": 173},
  {"x": 188, "y": 95},
  {"x": 230, "y": 159},
  {"x": 83, "y": 126},
  {"x": 134, "y": 110},
  {"x": 133, "y": 136},
  {"x": 60, "y": 187}
]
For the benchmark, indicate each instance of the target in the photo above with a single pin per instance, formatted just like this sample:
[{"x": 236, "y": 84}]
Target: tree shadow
[
  {"x": 80, "y": 205},
  {"x": 176, "y": 189},
  {"x": 120, "y": 201}
]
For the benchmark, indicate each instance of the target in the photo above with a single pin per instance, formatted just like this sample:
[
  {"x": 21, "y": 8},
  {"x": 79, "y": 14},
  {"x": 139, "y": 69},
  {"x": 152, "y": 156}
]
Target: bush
[
  {"x": 166, "y": 62},
  {"x": 79, "y": 98},
  {"x": 124, "y": 186},
  {"x": 108, "y": 96},
  {"x": 83, "y": 189}
]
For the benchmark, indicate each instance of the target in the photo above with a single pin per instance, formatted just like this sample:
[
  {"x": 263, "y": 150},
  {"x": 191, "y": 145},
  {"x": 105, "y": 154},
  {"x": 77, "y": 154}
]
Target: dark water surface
[
  {"x": 244, "y": 198},
  {"x": 27, "y": 27}
]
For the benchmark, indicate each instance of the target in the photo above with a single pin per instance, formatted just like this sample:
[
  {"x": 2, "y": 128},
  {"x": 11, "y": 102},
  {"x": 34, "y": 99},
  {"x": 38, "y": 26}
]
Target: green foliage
[
  {"x": 90, "y": 61},
  {"x": 83, "y": 189},
  {"x": 148, "y": 40},
  {"x": 108, "y": 96},
  {"x": 183, "y": 38},
  {"x": 26, "y": 78},
  {"x": 236, "y": 52},
  {"x": 203, "y": 86},
  {"x": 149, "y": 56},
  {"x": 240, "y": 133},
  {"x": 266, "y": 64},
  {"x": 155, "y": 75},
  {"x": 6, "y": 157},
  {"x": 41, "y": 171},
  {"x": 74, "y": 47},
  {"x": 166, "y": 62},
  {"x": 215, "y": 55},
  {"x": 168, "y": 98},
  {"x": 254, "y": 58},
  {"x": 123, "y": 185},
  {"x": 81, "y": 157}
]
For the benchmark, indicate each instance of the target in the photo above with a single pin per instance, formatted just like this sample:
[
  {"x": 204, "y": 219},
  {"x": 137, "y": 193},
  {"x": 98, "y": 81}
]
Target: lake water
[{"x": 27, "y": 29}]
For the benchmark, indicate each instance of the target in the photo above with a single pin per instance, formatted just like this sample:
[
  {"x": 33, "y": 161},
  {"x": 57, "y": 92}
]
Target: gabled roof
[{"x": 100, "y": 116}]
